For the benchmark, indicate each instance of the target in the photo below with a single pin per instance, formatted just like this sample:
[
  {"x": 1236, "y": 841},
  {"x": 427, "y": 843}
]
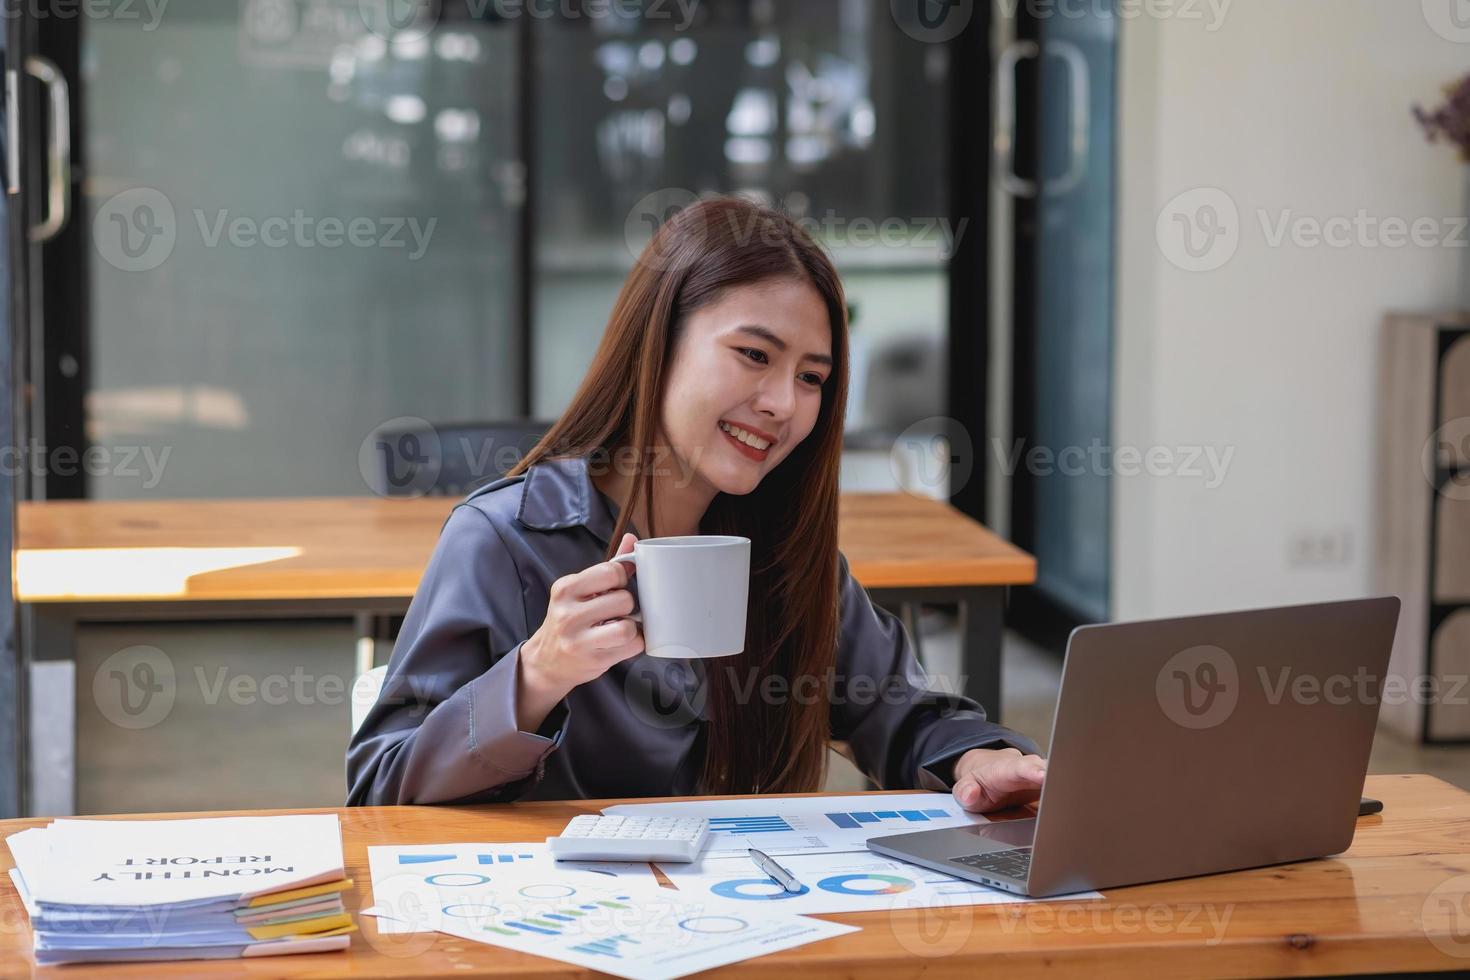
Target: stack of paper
[{"x": 106, "y": 890}]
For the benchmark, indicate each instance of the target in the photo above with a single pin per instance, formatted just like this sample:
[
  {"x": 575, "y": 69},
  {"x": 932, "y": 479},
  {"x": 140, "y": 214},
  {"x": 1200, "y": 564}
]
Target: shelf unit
[{"x": 1423, "y": 516}]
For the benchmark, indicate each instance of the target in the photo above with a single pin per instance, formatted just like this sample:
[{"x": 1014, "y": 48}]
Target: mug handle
[{"x": 636, "y": 615}]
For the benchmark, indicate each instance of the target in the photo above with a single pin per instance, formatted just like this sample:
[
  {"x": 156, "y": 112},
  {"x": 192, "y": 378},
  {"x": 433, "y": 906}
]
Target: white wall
[{"x": 1301, "y": 105}]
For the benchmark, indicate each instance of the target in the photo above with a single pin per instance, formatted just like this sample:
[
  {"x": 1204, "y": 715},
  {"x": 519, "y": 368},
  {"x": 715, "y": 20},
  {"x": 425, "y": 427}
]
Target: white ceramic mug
[{"x": 691, "y": 593}]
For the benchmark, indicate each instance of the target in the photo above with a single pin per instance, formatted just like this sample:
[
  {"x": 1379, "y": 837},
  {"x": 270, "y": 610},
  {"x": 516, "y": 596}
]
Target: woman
[{"x": 713, "y": 405}]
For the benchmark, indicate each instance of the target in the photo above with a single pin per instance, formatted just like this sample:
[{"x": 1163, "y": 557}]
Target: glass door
[
  {"x": 23, "y": 183},
  {"x": 807, "y": 107},
  {"x": 297, "y": 223},
  {"x": 1057, "y": 83}
]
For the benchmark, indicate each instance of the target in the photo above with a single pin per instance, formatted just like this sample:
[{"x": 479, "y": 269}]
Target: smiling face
[{"x": 756, "y": 359}]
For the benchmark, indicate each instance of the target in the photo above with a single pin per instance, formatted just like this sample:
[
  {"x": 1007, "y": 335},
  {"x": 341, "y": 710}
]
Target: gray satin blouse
[{"x": 443, "y": 729}]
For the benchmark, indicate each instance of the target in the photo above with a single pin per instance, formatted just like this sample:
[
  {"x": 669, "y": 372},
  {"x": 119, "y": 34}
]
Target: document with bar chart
[
  {"x": 484, "y": 863},
  {"x": 641, "y": 932},
  {"x": 810, "y": 825}
]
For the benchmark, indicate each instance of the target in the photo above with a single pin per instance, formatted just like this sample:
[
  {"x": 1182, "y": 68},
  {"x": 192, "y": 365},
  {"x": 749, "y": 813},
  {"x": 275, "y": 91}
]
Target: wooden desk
[{"x": 1398, "y": 900}]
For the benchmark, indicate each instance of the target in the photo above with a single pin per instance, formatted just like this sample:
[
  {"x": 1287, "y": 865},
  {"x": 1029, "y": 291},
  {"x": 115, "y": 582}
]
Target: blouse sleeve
[
  {"x": 903, "y": 731},
  {"x": 444, "y": 726}
]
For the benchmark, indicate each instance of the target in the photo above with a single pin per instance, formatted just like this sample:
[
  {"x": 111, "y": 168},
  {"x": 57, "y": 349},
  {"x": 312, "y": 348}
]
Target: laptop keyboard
[{"x": 1014, "y": 862}]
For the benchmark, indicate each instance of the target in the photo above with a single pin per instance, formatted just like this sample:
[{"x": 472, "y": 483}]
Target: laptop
[{"x": 1187, "y": 747}]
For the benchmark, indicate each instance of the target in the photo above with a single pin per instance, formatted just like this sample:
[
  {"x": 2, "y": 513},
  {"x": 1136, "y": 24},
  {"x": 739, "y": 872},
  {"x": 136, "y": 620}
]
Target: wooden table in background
[
  {"x": 373, "y": 549},
  {"x": 1398, "y": 900},
  {"x": 108, "y": 561}
]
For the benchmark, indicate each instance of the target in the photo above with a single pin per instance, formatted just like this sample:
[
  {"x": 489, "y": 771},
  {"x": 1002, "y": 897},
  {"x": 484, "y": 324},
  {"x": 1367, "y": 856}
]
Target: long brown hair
[{"x": 754, "y": 743}]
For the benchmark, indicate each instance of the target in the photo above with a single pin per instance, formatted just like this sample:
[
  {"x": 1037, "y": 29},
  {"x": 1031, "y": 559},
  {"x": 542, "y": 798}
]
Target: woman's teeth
[{"x": 745, "y": 437}]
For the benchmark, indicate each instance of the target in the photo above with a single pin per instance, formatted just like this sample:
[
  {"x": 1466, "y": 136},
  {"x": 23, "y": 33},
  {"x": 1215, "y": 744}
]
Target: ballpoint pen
[{"x": 783, "y": 877}]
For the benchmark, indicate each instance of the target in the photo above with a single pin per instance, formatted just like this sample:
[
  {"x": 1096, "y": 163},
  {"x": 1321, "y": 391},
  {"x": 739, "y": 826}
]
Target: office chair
[
  {"x": 365, "y": 692},
  {"x": 903, "y": 384},
  {"x": 442, "y": 461},
  {"x": 450, "y": 460}
]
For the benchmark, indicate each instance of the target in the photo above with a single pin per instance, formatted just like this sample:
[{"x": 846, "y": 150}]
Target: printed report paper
[
  {"x": 483, "y": 863},
  {"x": 131, "y": 863},
  {"x": 634, "y": 931}
]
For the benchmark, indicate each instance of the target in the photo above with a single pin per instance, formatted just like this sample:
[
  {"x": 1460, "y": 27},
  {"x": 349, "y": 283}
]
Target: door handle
[
  {"x": 58, "y": 147},
  {"x": 12, "y": 131},
  {"x": 1005, "y": 117}
]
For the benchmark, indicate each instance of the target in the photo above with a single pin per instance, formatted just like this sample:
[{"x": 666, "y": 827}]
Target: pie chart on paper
[
  {"x": 754, "y": 889},
  {"x": 865, "y": 884}
]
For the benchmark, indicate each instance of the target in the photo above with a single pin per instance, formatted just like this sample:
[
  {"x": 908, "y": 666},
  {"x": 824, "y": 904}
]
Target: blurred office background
[{"x": 990, "y": 180}]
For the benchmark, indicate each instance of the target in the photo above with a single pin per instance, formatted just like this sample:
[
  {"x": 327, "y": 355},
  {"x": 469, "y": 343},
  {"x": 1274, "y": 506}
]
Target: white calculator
[{"x": 596, "y": 838}]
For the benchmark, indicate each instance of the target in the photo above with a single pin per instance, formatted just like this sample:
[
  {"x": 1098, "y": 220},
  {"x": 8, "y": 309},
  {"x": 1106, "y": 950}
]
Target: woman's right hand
[{"x": 585, "y": 632}]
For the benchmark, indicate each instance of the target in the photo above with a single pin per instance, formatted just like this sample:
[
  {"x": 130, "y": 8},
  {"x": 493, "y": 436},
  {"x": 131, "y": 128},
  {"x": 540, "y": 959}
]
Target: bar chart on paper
[
  {"x": 855, "y": 819},
  {"x": 480, "y": 858},
  {"x": 806, "y": 826},
  {"x": 553, "y": 922},
  {"x": 765, "y": 832},
  {"x": 611, "y": 946}
]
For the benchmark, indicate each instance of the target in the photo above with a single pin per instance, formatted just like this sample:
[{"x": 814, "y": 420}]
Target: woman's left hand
[{"x": 993, "y": 779}]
